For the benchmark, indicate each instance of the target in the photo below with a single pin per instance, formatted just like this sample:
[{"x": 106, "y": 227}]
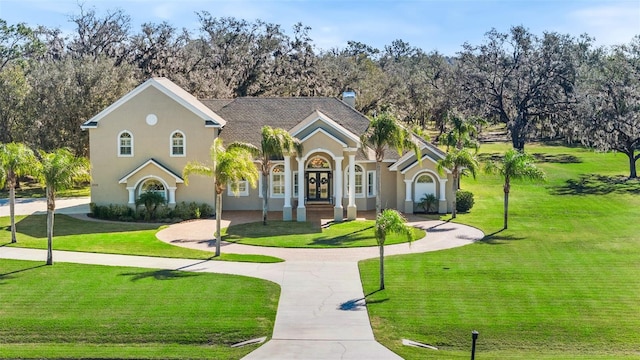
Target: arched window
[
  {"x": 277, "y": 181},
  {"x": 153, "y": 185},
  {"x": 359, "y": 181},
  {"x": 424, "y": 185},
  {"x": 125, "y": 144},
  {"x": 178, "y": 146},
  {"x": 318, "y": 163}
]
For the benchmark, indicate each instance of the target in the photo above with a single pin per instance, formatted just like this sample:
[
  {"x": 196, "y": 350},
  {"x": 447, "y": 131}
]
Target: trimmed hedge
[{"x": 182, "y": 211}]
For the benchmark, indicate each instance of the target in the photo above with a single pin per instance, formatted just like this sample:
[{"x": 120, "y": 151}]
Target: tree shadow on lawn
[
  {"x": 596, "y": 184},
  {"x": 160, "y": 275},
  {"x": 540, "y": 158},
  {"x": 234, "y": 233},
  {"x": 8, "y": 275},
  {"x": 36, "y": 226},
  {"x": 496, "y": 239},
  {"x": 342, "y": 239}
]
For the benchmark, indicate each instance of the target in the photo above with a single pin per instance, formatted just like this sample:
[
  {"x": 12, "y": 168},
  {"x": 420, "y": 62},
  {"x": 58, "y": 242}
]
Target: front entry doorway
[{"x": 318, "y": 185}]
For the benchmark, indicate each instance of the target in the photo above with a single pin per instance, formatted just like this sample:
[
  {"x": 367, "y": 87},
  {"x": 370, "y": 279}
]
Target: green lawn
[
  {"x": 105, "y": 237},
  {"x": 563, "y": 282},
  {"x": 82, "y": 311},
  {"x": 308, "y": 235},
  {"x": 34, "y": 190}
]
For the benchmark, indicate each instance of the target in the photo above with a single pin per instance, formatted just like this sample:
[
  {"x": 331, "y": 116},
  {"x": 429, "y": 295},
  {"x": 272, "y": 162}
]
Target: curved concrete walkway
[{"x": 321, "y": 312}]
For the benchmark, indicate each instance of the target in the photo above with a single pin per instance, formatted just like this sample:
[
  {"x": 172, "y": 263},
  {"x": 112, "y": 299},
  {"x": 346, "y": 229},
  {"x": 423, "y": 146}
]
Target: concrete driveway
[{"x": 321, "y": 312}]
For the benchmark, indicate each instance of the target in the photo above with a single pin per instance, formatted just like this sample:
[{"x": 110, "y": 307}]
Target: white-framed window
[
  {"x": 359, "y": 183},
  {"x": 243, "y": 189},
  {"x": 153, "y": 185},
  {"x": 277, "y": 181},
  {"x": 295, "y": 184},
  {"x": 178, "y": 145},
  {"x": 371, "y": 183},
  {"x": 125, "y": 144}
]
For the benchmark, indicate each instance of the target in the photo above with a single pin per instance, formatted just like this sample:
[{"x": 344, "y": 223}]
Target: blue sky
[{"x": 428, "y": 24}]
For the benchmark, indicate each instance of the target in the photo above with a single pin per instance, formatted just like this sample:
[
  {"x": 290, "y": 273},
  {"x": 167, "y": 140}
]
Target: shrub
[
  {"x": 206, "y": 210},
  {"x": 181, "y": 210},
  {"x": 151, "y": 201},
  {"x": 111, "y": 211},
  {"x": 464, "y": 200},
  {"x": 428, "y": 202}
]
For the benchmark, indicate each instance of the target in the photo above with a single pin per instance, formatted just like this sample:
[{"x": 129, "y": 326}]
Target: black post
[{"x": 474, "y": 337}]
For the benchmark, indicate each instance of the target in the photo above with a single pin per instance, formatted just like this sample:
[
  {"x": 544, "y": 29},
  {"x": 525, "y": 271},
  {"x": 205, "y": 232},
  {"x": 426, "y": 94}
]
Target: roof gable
[
  {"x": 175, "y": 92},
  {"x": 153, "y": 162},
  {"x": 319, "y": 116}
]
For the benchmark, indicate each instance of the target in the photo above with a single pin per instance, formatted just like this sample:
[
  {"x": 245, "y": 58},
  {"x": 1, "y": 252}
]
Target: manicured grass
[
  {"x": 563, "y": 282},
  {"x": 307, "y": 235},
  {"x": 33, "y": 190},
  {"x": 105, "y": 237},
  {"x": 82, "y": 311}
]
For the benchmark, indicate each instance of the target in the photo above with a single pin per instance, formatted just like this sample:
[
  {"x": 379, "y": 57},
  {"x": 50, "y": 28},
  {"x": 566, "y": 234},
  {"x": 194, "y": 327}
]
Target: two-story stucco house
[{"x": 143, "y": 141}]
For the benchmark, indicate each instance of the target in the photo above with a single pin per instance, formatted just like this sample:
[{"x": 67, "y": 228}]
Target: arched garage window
[
  {"x": 425, "y": 184},
  {"x": 153, "y": 185}
]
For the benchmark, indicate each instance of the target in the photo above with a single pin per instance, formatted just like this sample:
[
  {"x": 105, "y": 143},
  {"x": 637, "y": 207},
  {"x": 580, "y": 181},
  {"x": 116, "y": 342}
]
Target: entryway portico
[
  {"x": 319, "y": 177},
  {"x": 321, "y": 182}
]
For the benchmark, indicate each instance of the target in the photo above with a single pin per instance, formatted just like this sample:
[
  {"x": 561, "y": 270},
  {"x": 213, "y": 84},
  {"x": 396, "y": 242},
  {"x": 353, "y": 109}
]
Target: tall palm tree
[
  {"x": 228, "y": 167},
  {"x": 458, "y": 160},
  {"x": 514, "y": 165},
  {"x": 16, "y": 159},
  {"x": 275, "y": 143},
  {"x": 389, "y": 221},
  {"x": 385, "y": 132},
  {"x": 58, "y": 170},
  {"x": 463, "y": 134}
]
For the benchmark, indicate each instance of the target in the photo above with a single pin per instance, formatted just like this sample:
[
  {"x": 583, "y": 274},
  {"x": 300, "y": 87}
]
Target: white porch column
[
  {"x": 408, "y": 200},
  {"x": 407, "y": 190},
  {"x": 443, "y": 189},
  {"x": 286, "y": 210},
  {"x": 338, "y": 210},
  {"x": 172, "y": 195},
  {"x": 301, "y": 212},
  {"x": 351, "y": 209},
  {"x": 442, "y": 202},
  {"x": 132, "y": 196}
]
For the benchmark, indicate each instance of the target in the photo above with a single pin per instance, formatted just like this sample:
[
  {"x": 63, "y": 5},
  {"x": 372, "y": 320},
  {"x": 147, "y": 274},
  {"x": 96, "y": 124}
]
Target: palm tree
[
  {"x": 228, "y": 168},
  {"x": 151, "y": 200},
  {"x": 385, "y": 132},
  {"x": 16, "y": 160},
  {"x": 57, "y": 171},
  {"x": 462, "y": 134},
  {"x": 389, "y": 221},
  {"x": 514, "y": 165},
  {"x": 275, "y": 143},
  {"x": 458, "y": 160}
]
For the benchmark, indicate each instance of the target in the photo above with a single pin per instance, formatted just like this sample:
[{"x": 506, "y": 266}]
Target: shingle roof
[{"x": 246, "y": 116}]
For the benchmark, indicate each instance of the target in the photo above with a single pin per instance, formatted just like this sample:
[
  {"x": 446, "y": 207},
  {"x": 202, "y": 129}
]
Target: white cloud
[
  {"x": 164, "y": 11},
  {"x": 609, "y": 24}
]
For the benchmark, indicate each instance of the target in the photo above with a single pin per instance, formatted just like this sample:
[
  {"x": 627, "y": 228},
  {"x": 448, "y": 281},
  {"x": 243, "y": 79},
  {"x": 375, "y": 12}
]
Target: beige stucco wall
[
  {"x": 322, "y": 141},
  {"x": 154, "y": 142},
  {"x": 148, "y": 142},
  {"x": 428, "y": 166}
]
